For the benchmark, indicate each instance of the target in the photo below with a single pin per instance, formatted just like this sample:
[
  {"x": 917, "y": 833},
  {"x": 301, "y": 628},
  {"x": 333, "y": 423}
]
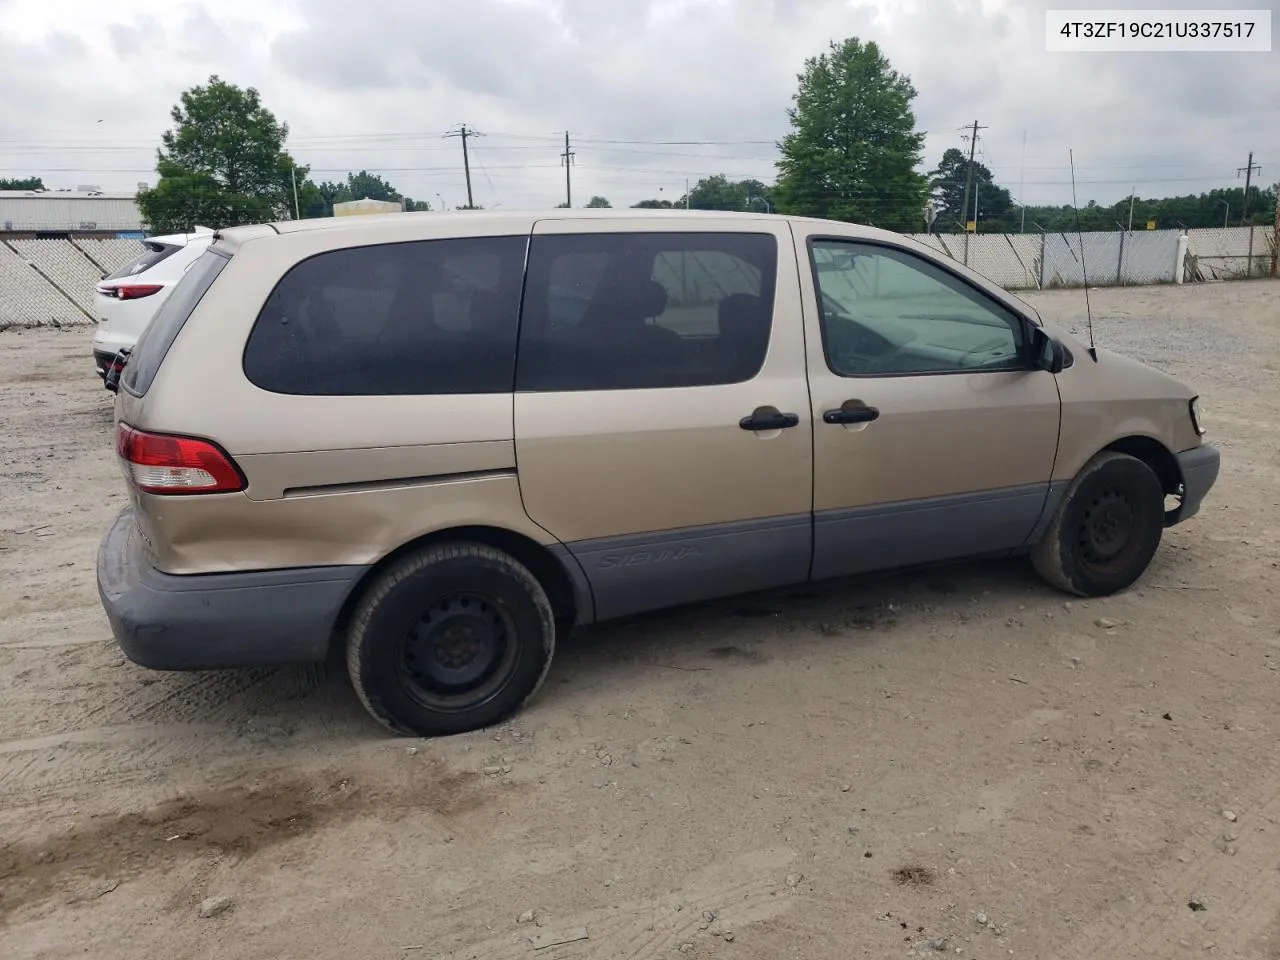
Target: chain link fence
[
  {"x": 61, "y": 264},
  {"x": 29, "y": 299},
  {"x": 1230, "y": 253},
  {"x": 51, "y": 281},
  {"x": 1043, "y": 260}
]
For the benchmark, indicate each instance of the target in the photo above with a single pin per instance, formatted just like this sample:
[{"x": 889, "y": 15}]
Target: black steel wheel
[
  {"x": 450, "y": 639},
  {"x": 1106, "y": 529}
]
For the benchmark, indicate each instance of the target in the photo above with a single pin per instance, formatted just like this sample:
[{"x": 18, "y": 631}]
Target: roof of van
[{"x": 490, "y": 219}]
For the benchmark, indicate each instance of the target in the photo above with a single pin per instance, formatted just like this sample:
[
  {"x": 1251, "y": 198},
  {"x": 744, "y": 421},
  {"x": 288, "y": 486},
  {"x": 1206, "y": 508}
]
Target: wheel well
[
  {"x": 537, "y": 558},
  {"x": 1156, "y": 456}
]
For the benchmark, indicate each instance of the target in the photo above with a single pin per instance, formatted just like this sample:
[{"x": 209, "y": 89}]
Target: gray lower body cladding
[
  {"x": 216, "y": 621},
  {"x": 228, "y": 620},
  {"x": 1199, "y": 467},
  {"x": 637, "y": 573}
]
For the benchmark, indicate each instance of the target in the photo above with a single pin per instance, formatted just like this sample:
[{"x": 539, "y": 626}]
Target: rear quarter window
[
  {"x": 154, "y": 343},
  {"x": 418, "y": 318}
]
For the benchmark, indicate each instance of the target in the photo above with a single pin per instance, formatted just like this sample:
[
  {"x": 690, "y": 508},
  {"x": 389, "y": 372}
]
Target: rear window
[
  {"x": 152, "y": 253},
  {"x": 155, "y": 341},
  {"x": 427, "y": 317}
]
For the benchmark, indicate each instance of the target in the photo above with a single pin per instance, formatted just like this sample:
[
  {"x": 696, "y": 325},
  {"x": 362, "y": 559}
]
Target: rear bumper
[
  {"x": 1199, "y": 467},
  {"x": 216, "y": 621}
]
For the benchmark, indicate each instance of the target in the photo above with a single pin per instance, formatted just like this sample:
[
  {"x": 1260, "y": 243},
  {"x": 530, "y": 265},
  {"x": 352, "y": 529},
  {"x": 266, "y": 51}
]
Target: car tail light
[
  {"x": 130, "y": 291},
  {"x": 166, "y": 464}
]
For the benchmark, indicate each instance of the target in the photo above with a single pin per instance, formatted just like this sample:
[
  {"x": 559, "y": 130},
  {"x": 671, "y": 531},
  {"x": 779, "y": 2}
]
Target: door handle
[
  {"x": 851, "y": 411},
  {"x": 768, "y": 418}
]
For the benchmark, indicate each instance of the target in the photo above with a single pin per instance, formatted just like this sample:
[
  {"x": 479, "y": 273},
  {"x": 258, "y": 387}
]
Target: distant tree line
[
  {"x": 998, "y": 213},
  {"x": 320, "y": 197},
  {"x": 852, "y": 153}
]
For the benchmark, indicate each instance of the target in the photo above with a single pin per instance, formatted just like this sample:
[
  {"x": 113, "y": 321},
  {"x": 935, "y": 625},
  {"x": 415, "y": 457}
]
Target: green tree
[
  {"x": 597, "y": 203},
  {"x": 720, "y": 193},
  {"x": 717, "y": 193},
  {"x": 947, "y": 183},
  {"x": 757, "y": 196},
  {"x": 222, "y": 164},
  {"x": 321, "y": 197},
  {"x": 369, "y": 186},
  {"x": 652, "y": 205},
  {"x": 853, "y": 147},
  {"x": 22, "y": 183}
]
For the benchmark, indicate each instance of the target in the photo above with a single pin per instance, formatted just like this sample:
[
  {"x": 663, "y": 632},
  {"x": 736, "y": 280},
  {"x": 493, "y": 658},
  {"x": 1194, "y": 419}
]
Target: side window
[
  {"x": 887, "y": 312},
  {"x": 428, "y": 317},
  {"x": 632, "y": 311}
]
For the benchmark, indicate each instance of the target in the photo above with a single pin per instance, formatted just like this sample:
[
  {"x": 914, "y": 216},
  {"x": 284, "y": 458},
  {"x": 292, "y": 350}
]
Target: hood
[{"x": 1123, "y": 375}]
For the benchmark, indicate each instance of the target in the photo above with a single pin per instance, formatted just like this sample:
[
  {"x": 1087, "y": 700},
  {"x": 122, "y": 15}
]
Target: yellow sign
[
  {"x": 1151, "y": 224},
  {"x": 971, "y": 226}
]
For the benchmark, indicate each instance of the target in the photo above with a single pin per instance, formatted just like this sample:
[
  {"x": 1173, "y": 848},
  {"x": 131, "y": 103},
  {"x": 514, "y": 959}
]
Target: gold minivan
[{"x": 436, "y": 441}]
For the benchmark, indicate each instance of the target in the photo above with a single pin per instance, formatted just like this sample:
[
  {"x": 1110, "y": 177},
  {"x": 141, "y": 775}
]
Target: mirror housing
[{"x": 1045, "y": 353}]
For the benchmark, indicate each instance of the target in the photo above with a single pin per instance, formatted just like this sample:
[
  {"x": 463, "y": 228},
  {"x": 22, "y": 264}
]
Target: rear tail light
[
  {"x": 130, "y": 291},
  {"x": 166, "y": 464}
]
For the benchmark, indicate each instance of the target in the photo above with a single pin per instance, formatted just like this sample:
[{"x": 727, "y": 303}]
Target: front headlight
[{"x": 1195, "y": 416}]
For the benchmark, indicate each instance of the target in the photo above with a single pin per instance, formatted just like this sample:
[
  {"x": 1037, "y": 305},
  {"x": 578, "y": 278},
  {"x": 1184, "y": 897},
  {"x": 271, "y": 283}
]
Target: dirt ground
[{"x": 856, "y": 769}]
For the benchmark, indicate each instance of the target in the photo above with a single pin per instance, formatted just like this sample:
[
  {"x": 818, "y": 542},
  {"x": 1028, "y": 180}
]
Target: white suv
[{"x": 126, "y": 300}]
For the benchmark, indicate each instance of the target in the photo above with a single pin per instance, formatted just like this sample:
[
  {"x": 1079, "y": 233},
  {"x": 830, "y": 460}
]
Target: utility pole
[
  {"x": 463, "y": 132},
  {"x": 968, "y": 186},
  {"x": 567, "y": 159},
  {"x": 1247, "y": 170},
  {"x": 1132, "y": 193},
  {"x": 293, "y": 175},
  {"x": 1022, "y": 183}
]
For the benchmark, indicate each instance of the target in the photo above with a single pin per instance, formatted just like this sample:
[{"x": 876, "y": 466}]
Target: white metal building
[{"x": 68, "y": 211}]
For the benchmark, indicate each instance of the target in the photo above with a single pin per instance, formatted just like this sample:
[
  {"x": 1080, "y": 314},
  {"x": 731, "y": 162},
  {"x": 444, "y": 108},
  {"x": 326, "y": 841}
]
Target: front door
[
  {"x": 661, "y": 413},
  {"x": 933, "y": 437}
]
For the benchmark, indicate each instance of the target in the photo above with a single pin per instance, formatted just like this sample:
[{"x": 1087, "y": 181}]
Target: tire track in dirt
[
  {"x": 222, "y": 697},
  {"x": 728, "y": 896}
]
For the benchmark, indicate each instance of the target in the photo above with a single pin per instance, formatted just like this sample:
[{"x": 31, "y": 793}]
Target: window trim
[
  {"x": 1026, "y": 322},
  {"x": 779, "y": 250}
]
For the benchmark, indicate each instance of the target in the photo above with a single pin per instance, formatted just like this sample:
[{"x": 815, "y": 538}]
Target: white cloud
[{"x": 376, "y": 84}]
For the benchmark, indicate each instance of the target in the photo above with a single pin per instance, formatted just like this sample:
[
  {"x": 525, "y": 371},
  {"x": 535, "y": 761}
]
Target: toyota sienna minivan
[{"x": 436, "y": 442}]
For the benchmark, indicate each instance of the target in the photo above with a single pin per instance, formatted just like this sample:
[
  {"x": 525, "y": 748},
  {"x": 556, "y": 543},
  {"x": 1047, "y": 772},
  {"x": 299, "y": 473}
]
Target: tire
[
  {"x": 1106, "y": 529},
  {"x": 451, "y": 638}
]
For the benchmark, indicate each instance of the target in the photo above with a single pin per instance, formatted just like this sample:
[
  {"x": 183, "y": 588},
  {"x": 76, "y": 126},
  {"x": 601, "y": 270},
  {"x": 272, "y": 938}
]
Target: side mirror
[{"x": 1046, "y": 353}]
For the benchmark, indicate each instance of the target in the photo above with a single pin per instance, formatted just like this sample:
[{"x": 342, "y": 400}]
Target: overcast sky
[{"x": 375, "y": 84}]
